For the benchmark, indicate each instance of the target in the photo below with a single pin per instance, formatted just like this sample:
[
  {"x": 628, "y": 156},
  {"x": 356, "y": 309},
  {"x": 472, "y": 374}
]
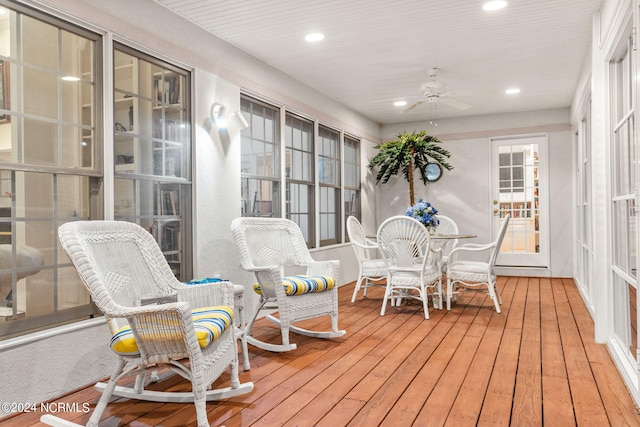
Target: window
[
  {"x": 624, "y": 228},
  {"x": 50, "y": 169},
  {"x": 352, "y": 204},
  {"x": 329, "y": 180},
  {"x": 260, "y": 159},
  {"x": 511, "y": 172},
  {"x": 299, "y": 145},
  {"x": 152, "y": 144},
  {"x": 264, "y": 162}
]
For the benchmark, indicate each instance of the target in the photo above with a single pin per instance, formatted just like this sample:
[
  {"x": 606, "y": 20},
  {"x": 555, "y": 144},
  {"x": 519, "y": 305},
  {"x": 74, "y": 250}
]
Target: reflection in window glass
[
  {"x": 260, "y": 160},
  {"x": 329, "y": 177},
  {"x": 351, "y": 179},
  {"x": 48, "y": 146},
  {"x": 300, "y": 174},
  {"x": 152, "y": 146}
]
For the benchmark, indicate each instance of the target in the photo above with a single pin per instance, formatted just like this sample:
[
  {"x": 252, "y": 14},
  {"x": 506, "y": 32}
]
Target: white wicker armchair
[
  {"x": 129, "y": 279},
  {"x": 269, "y": 246},
  {"x": 413, "y": 264},
  {"x": 371, "y": 269},
  {"x": 447, "y": 226},
  {"x": 471, "y": 266}
]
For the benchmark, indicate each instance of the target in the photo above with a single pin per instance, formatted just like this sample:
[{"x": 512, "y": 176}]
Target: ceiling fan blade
[
  {"x": 397, "y": 98},
  {"x": 412, "y": 106},
  {"x": 454, "y": 103}
]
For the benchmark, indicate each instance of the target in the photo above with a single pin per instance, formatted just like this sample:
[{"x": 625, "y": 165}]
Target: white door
[{"x": 519, "y": 187}]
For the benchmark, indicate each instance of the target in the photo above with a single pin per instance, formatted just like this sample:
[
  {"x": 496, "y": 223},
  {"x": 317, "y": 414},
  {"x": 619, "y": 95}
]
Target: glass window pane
[
  {"x": 153, "y": 138},
  {"x": 39, "y": 44},
  {"x": 39, "y": 83},
  {"x": 50, "y": 123}
]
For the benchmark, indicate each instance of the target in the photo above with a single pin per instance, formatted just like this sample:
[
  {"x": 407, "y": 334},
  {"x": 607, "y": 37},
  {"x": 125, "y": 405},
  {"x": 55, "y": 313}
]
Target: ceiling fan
[{"x": 434, "y": 92}]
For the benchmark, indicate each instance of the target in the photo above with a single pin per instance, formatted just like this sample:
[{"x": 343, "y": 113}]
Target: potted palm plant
[{"x": 412, "y": 150}]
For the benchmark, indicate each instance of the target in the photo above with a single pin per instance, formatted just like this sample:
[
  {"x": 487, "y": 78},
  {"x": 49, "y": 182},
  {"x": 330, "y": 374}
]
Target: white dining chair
[
  {"x": 465, "y": 271},
  {"x": 447, "y": 226},
  {"x": 412, "y": 263},
  {"x": 372, "y": 270}
]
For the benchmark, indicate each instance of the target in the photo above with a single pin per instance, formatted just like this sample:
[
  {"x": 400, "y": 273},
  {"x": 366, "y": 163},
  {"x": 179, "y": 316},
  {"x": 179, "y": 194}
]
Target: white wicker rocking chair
[
  {"x": 129, "y": 279},
  {"x": 269, "y": 246}
]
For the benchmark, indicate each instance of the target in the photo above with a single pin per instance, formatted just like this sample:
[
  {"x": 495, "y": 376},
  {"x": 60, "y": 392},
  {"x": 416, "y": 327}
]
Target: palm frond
[{"x": 395, "y": 157}]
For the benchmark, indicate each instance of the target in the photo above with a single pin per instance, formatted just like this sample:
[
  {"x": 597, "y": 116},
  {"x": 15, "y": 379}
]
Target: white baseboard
[{"x": 523, "y": 271}]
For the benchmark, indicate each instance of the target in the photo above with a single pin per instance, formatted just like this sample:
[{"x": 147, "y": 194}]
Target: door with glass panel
[{"x": 519, "y": 188}]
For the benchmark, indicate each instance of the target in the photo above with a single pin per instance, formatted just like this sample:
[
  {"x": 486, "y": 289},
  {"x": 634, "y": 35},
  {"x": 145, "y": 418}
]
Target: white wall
[
  {"x": 463, "y": 193},
  {"x": 60, "y": 361}
]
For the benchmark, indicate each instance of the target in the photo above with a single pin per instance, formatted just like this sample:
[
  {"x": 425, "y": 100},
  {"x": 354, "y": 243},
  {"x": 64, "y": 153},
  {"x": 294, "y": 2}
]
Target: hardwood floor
[{"x": 535, "y": 364}]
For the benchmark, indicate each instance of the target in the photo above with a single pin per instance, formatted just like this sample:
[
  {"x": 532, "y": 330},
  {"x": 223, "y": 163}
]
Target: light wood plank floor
[{"x": 535, "y": 364}]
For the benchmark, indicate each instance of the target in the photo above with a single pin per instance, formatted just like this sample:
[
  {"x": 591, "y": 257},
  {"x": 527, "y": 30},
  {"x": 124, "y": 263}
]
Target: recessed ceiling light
[
  {"x": 512, "y": 91},
  {"x": 71, "y": 78},
  {"x": 400, "y": 103},
  {"x": 494, "y": 5},
  {"x": 314, "y": 37}
]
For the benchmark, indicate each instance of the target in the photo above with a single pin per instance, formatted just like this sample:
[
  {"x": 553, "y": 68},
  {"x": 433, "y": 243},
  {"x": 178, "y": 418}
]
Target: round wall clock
[{"x": 434, "y": 172}]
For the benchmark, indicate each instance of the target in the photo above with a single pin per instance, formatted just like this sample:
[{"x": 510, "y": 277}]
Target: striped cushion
[
  {"x": 303, "y": 284},
  {"x": 209, "y": 323}
]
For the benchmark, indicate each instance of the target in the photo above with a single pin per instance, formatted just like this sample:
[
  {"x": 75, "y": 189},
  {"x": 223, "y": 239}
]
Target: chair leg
[
  {"x": 106, "y": 394},
  {"x": 440, "y": 295},
  {"x": 449, "y": 293},
  {"x": 201, "y": 406},
  {"x": 284, "y": 331},
  {"x": 357, "y": 288},
  {"x": 494, "y": 297},
  {"x": 495, "y": 287},
  {"x": 233, "y": 374},
  {"x": 334, "y": 322},
  {"x": 241, "y": 331},
  {"x": 425, "y": 301},
  {"x": 387, "y": 295}
]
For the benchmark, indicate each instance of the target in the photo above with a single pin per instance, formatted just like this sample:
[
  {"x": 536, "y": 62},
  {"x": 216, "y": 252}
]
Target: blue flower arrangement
[{"x": 425, "y": 213}]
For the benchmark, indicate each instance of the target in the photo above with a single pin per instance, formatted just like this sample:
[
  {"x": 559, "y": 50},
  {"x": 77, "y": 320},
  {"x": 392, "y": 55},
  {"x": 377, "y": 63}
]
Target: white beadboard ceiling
[{"x": 377, "y": 51}]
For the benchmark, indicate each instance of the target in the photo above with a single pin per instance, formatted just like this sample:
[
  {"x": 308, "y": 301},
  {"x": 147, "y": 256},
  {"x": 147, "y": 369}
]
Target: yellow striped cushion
[
  {"x": 303, "y": 284},
  {"x": 209, "y": 323}
]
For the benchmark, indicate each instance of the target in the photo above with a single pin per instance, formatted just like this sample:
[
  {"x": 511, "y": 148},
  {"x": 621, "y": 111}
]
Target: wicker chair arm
[
  {"x": 270, "y": 280},
  {"x": 367, "y": 245},
  {"x": 330, "y": 268},
  {"x": 469, "y": 249},
  {"x": 118, "y": 311},
  {"x": 207, "y": 294},
  {"x": 163, "y": 331}
]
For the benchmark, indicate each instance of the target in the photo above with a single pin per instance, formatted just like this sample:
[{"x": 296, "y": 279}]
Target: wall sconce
[
  {"x": 218, "y": 115},
  {"x": 240, "y": 118}
]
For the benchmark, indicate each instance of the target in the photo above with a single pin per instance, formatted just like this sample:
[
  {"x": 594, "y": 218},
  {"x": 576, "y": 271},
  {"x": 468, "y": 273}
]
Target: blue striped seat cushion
[
  {"x": 209, "y": 323},
  {"x": 303, "y": 284}
]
